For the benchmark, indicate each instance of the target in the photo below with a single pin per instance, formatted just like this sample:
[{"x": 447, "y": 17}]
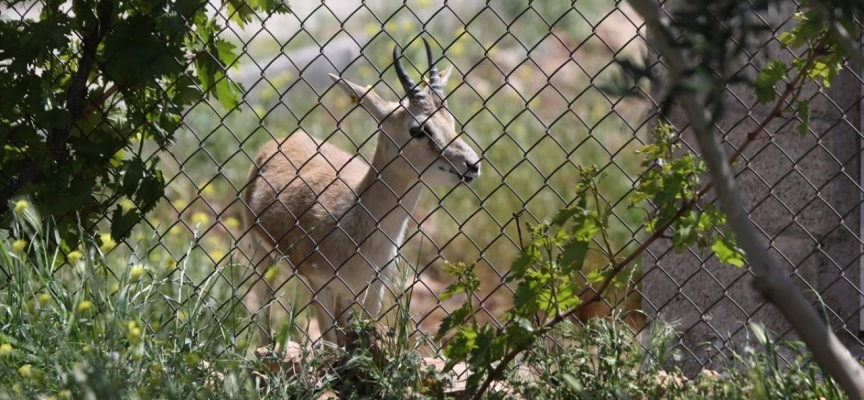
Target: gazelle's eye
[{"x": 418, "y": 132}]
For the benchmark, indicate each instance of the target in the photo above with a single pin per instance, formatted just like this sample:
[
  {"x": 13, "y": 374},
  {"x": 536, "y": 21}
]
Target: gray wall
[{"x": 802, "y": 192}]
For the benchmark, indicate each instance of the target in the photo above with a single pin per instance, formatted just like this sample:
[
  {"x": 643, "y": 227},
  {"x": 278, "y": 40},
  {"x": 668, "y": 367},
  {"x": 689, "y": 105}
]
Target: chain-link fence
[{"x": 524, "y": 103}]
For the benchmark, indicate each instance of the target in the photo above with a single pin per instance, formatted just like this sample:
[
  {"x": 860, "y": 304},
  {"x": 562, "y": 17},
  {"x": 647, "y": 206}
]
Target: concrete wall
[{"x": 802, "y": 192}]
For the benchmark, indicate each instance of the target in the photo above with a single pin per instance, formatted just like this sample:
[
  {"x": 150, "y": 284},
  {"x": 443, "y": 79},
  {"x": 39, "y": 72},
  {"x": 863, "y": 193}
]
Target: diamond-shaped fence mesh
[{"x": 337, "y": 179}]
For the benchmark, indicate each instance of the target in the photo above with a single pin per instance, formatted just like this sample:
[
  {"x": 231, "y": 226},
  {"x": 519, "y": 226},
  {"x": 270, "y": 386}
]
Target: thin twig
[{"x": 101, "y": 100}]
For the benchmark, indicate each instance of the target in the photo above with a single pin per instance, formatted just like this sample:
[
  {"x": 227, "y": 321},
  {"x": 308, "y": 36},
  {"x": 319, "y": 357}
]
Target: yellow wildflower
[
  {"x": 456, "y": 49},
  {"x": 43, "y": 298},
  {"x": 86, "y": 349},
  {"x": 180, "y": 204},
  {"x": 136, "y": 272},
  {"x": 232, "y": 223},
  {"x": 84, "y": 306},
  {"x": 5, "y": 349},
  {"x": 28, "y": 372},
  {"x": 20, "y": 206},
  {"x": 135, "y": 336},
  {"x": 181, "y": 315},
  {"x": 371, "y": 29},
  {"x": 65, "y": 394},
  {"x": 208, "y": 189},
  {"x": 424, "y": 3},
  {"x": 200, "y": 218},
  {"x": 74, "y": 256},
  {"x": 407, "y": 25},
  {"x": 19, "y": 245},
  {"x": 192, "y": 359},
  {"x": 170, "y": 264},
  {"x": 217, "y": 255},
  {"x": 391, "y": 26},
  {"x": 271, "y": 274},
  {"x": 176, "y": 230},
  {"x": 114, "y": 288},
  {"x": 259, "y": 110},
  {"x": 108, "y": 242}
]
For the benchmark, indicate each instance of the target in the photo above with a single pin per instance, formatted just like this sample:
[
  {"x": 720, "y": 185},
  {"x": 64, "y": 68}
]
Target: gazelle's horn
[
  {"x": 408, "y": 85},
  {"x": 434, "y": 79}
]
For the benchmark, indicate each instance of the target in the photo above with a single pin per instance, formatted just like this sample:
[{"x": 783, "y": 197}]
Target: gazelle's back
[{"x": 299, "y": 187}]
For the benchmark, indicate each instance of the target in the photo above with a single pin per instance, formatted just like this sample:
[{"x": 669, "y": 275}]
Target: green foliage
[
  {"x": 548, "y": 266},
  {"x": 671, "y": 182},
  {"x": 546, "y": 274},
  {"x": 110, "y": 329},
  {"x": 83, "y": 90},
  {"x": 606, "y": 360},
  {"x": 821, "y": 61},
  {"x": 767, "y": 80}
]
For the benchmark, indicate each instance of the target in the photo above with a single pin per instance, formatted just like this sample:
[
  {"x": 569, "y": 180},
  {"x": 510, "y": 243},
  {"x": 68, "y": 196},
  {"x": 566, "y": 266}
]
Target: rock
[
  {"x": 328, "y": 395},
  {"x": 290, "y": 361}
]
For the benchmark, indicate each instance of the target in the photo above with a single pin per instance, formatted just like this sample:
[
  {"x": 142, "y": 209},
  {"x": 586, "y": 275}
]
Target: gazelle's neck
[{"x": 388, "y": 195}]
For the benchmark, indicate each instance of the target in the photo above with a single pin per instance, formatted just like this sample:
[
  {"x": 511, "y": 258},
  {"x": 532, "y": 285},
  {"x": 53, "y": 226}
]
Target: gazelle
[{"x": 338, "y": 221}]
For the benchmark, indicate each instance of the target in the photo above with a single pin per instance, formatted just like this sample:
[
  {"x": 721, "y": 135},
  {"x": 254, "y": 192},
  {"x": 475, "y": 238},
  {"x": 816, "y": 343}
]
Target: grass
[{"x": 83, "y": 325}]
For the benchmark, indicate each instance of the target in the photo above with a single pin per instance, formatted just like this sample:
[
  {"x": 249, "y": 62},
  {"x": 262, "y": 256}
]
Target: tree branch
[
  {"x": 75, "y": 96},
  {"x": 771, "y": 281}
]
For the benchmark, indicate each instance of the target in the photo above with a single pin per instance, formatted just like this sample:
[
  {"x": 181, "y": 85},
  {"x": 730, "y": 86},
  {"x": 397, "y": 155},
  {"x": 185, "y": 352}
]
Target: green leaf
[
  {"x": 527, "y": 299},
  {"x": 573, "y": 255},
  {"x": 528, "y": 257},
  {"x": 803, "y": 108},
  {"x": 270, "y": 6},
  {"x": 586, "y": 228},
  {"x": 460, "y": 346},
  {"x": 727, "y": 252},
  {"x": 596, "y": 276},
  {"x": 188, "y": 8},
  {"x": 563, "y": 215},
  {"x": 227, "y": 92},
  {"x": 452, "y": 320},
  {"x": 226, "y": 54},
  {"x": 768, "y": 77},
  {"x": 451, "y": 290},
  {"x": 122, "y": 223}
]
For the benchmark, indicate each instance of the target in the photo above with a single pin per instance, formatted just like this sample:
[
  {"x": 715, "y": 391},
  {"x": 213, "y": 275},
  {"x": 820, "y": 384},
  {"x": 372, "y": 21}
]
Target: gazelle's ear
[
  {"x": 366, "y": 97},
  {"x": 445, "y": 74}
]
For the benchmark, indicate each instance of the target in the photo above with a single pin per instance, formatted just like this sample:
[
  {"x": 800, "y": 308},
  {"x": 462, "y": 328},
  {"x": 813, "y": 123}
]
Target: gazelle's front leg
[{"x": 261, "y": 293}]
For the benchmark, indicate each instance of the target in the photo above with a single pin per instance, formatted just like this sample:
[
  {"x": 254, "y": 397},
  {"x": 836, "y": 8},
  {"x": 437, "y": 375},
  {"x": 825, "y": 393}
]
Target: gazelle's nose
[{"x": 472, "y": 170}]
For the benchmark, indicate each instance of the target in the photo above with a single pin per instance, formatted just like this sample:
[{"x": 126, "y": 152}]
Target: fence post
[{"x": 801, "y": 191}]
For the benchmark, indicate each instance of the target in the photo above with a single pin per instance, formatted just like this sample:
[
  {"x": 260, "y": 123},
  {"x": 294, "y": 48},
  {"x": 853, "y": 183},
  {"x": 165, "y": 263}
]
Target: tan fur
[{"x": 336, "y": 220}]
